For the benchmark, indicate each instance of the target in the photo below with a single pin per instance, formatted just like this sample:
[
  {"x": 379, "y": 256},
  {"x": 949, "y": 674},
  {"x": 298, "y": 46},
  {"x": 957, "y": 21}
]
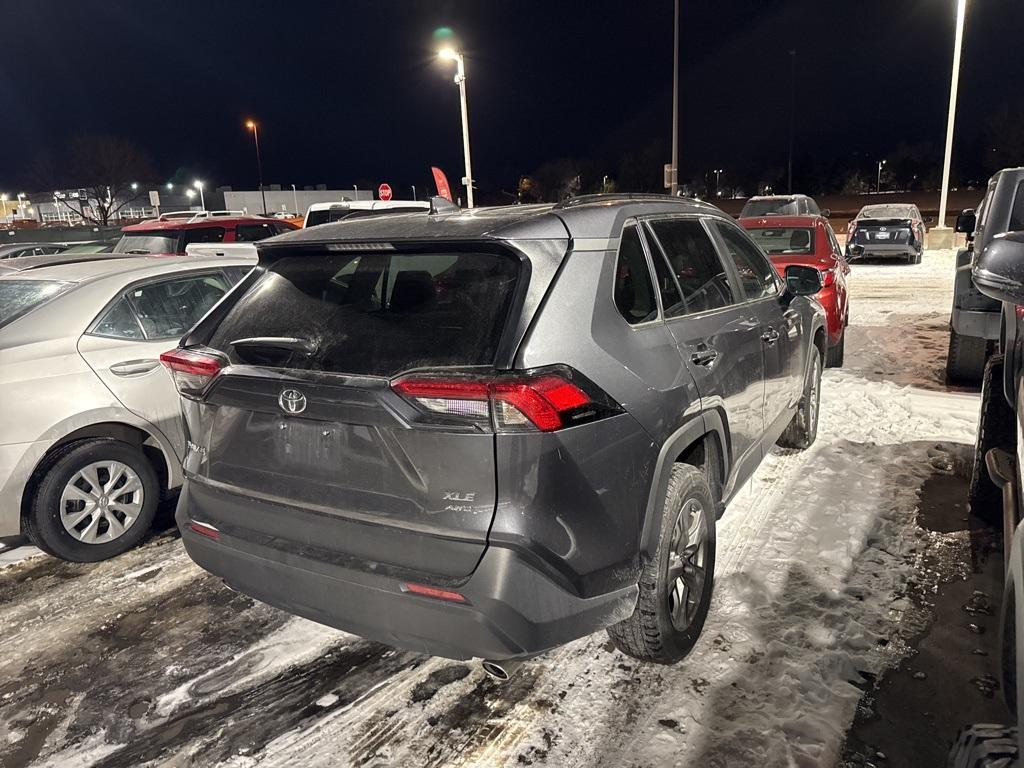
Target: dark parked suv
[{"x": 488, "y": 433}]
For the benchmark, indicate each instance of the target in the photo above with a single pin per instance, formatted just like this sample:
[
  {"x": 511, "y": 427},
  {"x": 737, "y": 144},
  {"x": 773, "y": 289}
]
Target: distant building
[{"x": 286, "y": 200}]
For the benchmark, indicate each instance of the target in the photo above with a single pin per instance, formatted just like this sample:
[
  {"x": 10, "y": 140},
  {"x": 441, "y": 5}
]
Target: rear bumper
[
  {"x": 881, "y": 251},
  {"x": 512, "y": 609}
]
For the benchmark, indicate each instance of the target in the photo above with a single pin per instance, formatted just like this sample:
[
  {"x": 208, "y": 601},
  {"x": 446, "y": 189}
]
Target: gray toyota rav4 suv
[{"x": 488, "y": 433}]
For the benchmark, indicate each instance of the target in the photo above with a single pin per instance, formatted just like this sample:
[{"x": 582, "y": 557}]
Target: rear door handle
[
  {"x": 770, "y": 336},
  {"x": 704, "y": 355},
  {"x": 134, "y": 367}
]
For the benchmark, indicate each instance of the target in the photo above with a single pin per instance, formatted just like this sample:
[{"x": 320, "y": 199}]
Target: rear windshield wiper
[{"x": 303, "y": 346}]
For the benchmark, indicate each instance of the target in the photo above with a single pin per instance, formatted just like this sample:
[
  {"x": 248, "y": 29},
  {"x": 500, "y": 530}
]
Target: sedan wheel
[{"x": 101, "y": 501}]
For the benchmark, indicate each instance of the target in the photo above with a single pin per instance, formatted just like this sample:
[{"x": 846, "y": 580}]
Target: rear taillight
[
  {"x": 204, "y": 529},
  {"x": 543, "y": 401},
  {"x": 828, "y": 277},
  {"x": 191, "y": 370}
]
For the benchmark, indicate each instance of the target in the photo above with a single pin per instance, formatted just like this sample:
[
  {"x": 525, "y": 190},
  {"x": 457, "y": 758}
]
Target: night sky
[{"x": 351, "y": 91}]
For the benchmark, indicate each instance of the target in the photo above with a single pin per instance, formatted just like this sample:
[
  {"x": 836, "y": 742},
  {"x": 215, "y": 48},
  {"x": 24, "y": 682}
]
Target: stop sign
[{"x": 384, "y": 191}]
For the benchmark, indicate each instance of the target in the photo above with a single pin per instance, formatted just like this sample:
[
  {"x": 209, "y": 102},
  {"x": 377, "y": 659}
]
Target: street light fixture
[
  {"x": 674, "y": 180},
  {"x": 190, "y": 194},
  {"x": 251, "y": 125},
  {"x": 878, "y": 184},
  {"x": 202, "y": 199},
  {"x": 449, "y": 54},
  {"x": 961, "y": 14},
  {"x": 718, "y": 177}
]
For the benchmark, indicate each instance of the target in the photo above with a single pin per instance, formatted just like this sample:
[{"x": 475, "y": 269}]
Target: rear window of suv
[{"x": 373, "y": 314}]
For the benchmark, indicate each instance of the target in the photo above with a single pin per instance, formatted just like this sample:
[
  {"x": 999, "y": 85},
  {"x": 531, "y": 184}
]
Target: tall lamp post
[
  {"x": 961, "y": 15},
  {"x": 674, "y": 181},
  {"x": 878, "y": 183},
  {"x": 718, "y": 179},
  {"x": 202, "y": 199},
  {"x": 792, "y": 119},
  {"x": 251, "y": 125},
  {"x": 449, "y": 54}
]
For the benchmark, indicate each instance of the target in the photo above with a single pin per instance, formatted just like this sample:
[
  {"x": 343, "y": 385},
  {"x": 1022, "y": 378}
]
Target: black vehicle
[
  {"x": 995, "y": 491},
  {"x": 489, "y": 433},
  {"x": 781, "y": 205},
  {"x": 890, "y": 230},
  {"x": 976, "y": 319}
]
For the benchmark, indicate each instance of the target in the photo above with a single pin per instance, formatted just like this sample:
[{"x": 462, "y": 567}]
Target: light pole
[
  {"x": 961, "y": 15},
  {"x": 878, "y": 184},
  {"x": 21, "y": 202},
  {"x": 251, "y": 125},
  {"x": 718, "y": 178},
  {"x": 674, "y": 181},
  {"x": 202, "y": 199},
  {"x": 792, "y": 117},
  {"x": 414, "y": 192},
  {"x": 460, "y": 79},
  {"x": 295, "y": 199}
]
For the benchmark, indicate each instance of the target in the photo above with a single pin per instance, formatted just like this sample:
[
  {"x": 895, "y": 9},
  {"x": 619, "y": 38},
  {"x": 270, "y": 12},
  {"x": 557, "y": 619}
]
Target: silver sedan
[{"x": 90, "y": 425}]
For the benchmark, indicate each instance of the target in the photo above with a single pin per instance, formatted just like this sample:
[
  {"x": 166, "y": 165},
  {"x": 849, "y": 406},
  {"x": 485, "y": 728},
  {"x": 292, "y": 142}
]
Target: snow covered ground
[{"x": 147, "y": 660}]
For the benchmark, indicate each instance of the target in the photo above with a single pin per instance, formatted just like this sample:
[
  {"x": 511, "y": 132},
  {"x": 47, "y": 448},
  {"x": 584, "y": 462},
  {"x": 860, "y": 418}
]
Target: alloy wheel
[
  {"x": 687, "y": 558},
  {"x": 101, "y": 501}
]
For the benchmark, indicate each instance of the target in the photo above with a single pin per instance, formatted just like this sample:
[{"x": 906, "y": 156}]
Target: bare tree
[{"x": 110, "y": 170}]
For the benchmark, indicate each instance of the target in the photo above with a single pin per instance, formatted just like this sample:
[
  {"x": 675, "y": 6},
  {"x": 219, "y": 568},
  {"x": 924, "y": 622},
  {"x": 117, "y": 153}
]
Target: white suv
[{"x": 323, "y": 213}]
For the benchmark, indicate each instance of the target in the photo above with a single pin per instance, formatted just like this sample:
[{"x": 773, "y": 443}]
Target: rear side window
[
  {"x": 634, "y": 292},
  {"x": 119, "y": 322},
  {"x": 1017, "y": 214},
  {"x": 170, "y": 307},
  {"x": 202, "y": 235},
  {"x": 374, "y": 314},
  {"x": 757, "y": 275},
  {"x": 250, "y": 233},
  {"x": 694, "y": 262}
]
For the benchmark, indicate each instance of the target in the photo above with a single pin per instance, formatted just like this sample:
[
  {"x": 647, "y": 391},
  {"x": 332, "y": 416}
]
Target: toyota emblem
[{"x": 292, "y": 401}]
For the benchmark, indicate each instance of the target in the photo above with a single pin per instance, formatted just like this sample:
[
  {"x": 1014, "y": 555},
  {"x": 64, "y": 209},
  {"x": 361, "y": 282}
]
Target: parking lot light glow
[{"x": 202, "y": 199}]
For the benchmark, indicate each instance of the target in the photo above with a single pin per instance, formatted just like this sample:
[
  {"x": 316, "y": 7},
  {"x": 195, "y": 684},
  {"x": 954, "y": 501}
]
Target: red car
[
  {"x": 810, "y": 241},
  {"x": 171, "y": 232}
]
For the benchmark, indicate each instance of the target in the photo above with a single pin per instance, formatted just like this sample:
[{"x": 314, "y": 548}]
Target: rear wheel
[
  {"x": 803, "y": 429},
  {"x": 834, "y": 355},
  {"x": 96, "y": 500},
  {"x": 965, "y": 360},
  {"x": 676, "y": 585},
  {"x": 995, "y": 430}
]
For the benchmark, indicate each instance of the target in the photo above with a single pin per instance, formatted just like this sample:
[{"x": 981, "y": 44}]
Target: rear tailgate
[
  {"x": 883, "y": 232},
  {"x": 303, "y": 421}
]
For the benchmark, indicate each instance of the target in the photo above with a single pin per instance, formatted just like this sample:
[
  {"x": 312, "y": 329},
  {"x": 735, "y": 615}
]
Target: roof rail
[
  {"x": 618, "y": 197},
  {"x": 176, "y": 215}
]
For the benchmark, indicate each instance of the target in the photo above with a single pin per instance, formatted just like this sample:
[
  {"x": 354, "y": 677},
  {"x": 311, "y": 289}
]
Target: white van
[{"x": 322, "y": 213}]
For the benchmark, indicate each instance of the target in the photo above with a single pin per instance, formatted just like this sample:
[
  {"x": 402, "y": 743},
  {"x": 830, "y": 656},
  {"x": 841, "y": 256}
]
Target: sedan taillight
[
  {"x": 192, "y": 371},
  {"x": 828, "y": 277}
]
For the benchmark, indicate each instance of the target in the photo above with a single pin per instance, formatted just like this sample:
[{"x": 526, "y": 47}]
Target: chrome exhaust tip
[{"x": 500, "y": 670}]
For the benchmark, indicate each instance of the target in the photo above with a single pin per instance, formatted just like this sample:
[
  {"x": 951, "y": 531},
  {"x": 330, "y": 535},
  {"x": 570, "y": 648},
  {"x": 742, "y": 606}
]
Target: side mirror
[
  {"x": 966, "y": 221},
  {"x": 802, "y": 281},
  {"x": 999, "y": 270},
  {"x": 826, "y": 212},
  {"x": 856, "y": 252}
]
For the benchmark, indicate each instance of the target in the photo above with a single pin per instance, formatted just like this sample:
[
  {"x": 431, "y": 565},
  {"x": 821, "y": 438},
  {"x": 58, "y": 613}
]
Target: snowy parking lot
[{"x": 824, "y": 585}]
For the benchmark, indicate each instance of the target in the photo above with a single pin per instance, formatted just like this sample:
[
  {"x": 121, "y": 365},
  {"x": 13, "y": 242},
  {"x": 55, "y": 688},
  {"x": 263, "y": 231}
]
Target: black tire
[
  {"x": 43, "y": 524},
  {"x": 803, "y": 429},
  {"x": 996, "y": 429},
  {"x": 965, "y": 361},
  {"x": 651, "y": 634},
  {"x": 977, "y": 746},
  {"x": 835, "y": 354}
]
